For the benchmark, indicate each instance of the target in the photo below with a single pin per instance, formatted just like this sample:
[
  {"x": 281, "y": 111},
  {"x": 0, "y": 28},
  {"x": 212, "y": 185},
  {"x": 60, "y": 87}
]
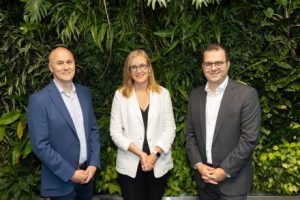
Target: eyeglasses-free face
[
  {"x": 217, "y": 64},
  {"x": 141, "y": 67}
]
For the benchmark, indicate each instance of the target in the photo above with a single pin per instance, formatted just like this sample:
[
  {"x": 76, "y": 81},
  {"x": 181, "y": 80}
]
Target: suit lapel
[
  {"x": 60, "y": 105},
  {"x": 225, "y": 105}
]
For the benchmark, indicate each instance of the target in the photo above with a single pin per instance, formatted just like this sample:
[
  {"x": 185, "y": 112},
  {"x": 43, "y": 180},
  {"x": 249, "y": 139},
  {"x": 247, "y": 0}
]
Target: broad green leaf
[{"x": 8, "y": 118}]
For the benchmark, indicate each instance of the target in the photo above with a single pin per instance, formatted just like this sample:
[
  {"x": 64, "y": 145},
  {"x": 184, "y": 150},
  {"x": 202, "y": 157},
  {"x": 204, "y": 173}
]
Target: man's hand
[
  {"x": 218, "y": 175},
  {"x": 79, "y": 176},
  {"x": 211, "y": 175},
  {"x": 90, "y": 172},
  {"x": 207, "y": 173}
]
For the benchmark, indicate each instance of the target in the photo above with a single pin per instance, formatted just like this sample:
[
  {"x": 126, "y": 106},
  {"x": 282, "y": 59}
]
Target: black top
[{"x": 145, "y": 120}]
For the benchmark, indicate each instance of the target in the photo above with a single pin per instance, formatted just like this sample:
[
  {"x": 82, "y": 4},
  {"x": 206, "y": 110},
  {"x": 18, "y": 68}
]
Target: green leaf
[
  {"x": 282, "y": 2},
  {"x": 19, "y": 130},
  {"x": 269, "y": 12},
  {"x": 275, "y": 148},
  {"x": 2, "y": 132},
  {"x": 36, "y": 10},
  {"x": 164, "y": 34},
  {"x": 285, "y": 165},
  {"x": 27, "y": 150},
  {"x": 16, "y": 155},
  {"x": 174, "y": 44},
  {"x": 8, "y": 118},
  {"x": 273, "y": 88}
]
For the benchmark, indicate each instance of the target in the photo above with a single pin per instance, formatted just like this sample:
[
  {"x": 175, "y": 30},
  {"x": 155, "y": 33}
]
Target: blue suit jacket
[{"x": 54, "y": 138}]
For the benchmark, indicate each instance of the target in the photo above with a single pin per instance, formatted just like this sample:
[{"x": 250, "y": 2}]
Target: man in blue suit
[{"x": 64, "y": 132}]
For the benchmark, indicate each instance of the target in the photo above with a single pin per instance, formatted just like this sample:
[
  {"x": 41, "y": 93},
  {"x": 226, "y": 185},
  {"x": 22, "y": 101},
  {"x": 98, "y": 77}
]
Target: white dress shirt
[
  {"x": 72, "y": 103},
  {"x": 213, "y": 101}
]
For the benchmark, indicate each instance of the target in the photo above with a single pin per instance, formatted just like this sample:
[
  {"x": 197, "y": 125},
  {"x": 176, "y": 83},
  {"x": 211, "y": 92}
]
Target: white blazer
[{"x": 127, "y": 126}]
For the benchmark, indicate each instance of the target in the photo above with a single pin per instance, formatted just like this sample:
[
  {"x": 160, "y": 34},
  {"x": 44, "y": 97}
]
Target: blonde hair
[{"x": 128, "y": 81}]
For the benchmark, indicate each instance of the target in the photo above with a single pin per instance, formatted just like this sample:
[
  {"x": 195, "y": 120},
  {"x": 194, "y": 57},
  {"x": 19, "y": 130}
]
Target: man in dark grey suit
[{"x": 222, "y": 130}]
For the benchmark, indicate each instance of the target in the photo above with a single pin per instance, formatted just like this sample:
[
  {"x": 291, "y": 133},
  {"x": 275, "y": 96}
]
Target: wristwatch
[{"x": 156, "y": 153}]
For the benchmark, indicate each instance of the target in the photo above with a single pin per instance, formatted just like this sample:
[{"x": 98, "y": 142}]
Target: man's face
[
  {"x": 215, "y": 66},
  {"x": 62, "y": 65}
]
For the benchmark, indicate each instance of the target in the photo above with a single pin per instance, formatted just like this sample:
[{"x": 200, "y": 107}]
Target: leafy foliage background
[{"x": 262, "y": 37}]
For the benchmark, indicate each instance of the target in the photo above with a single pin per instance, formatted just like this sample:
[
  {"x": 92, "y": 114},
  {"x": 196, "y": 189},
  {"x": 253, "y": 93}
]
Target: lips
[{"x": 140, "y": 75}]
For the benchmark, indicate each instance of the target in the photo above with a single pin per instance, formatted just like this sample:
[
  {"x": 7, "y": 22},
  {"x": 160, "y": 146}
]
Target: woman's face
[{"x": 139, "y": 69}]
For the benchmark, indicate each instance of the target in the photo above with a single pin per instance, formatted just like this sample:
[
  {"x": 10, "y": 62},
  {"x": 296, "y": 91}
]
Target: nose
[
  {"x": 213, "y": 67},
  {"x": 66, "y": 66}
]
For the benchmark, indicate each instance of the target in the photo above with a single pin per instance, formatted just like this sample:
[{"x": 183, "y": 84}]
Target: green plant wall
[{"x": 262, "y": 36}]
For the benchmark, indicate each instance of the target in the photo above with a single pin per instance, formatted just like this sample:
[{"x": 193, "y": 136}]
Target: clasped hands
[
  {"x": 84, "y": 176},
  {"x": 147, "y": 161},
  {"x": 211, "y": 175}
]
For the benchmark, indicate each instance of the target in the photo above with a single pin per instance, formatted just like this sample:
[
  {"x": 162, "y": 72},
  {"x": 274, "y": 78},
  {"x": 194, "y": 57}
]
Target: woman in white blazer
[{"x": 143, "y": 128}]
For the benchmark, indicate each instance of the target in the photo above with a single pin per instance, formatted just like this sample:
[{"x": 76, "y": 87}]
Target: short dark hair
[{"x": 216, "y": 47}]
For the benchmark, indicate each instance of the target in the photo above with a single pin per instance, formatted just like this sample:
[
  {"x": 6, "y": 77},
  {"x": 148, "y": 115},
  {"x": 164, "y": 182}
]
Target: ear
[
  {"x": 228, "y": 64},
  {"x": 50, "y": 68},
  {"x": 150, "y": 68}
]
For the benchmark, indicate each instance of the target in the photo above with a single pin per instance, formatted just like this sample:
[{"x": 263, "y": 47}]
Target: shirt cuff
[
  {"x": 227, "y": 175},
  {"x": 195, "y": 166}
]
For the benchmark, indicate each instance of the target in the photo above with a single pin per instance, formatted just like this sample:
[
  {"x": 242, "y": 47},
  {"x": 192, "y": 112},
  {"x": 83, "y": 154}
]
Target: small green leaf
[
  {"x": 269, "y": 12},
  {"x": 27, "y": 150},
  {"x": 19, "y": 130},
  {"x": 282, "y": 2},
  {"x": 163, "y": 34},
  {"x": 2, "y": 132},
  {"x": 285, "y": 165},
  {"x": 275, "y": 148}
]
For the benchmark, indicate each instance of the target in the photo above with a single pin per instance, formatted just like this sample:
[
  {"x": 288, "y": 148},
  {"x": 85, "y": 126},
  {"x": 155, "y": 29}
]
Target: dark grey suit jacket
[{"x": 235, "y": 137}]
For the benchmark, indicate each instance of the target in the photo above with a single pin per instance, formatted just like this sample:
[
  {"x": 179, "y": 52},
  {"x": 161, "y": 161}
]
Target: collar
[
  {"x": 61, "y": 90},
  {"x": 220, "y": 88}
]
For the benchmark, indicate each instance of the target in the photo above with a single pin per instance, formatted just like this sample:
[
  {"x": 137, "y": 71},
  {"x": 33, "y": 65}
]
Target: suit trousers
[
  {"x": 144, "y": 186},
  {"x": 80, "y": 192},
  {"x": 212, "y": 192}
]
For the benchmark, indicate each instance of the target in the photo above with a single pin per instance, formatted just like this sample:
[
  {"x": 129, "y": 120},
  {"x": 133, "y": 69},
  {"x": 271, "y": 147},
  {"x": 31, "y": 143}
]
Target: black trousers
[
  {"x": 212, "y": 192},
  {"x": 144, "y": 186}
]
